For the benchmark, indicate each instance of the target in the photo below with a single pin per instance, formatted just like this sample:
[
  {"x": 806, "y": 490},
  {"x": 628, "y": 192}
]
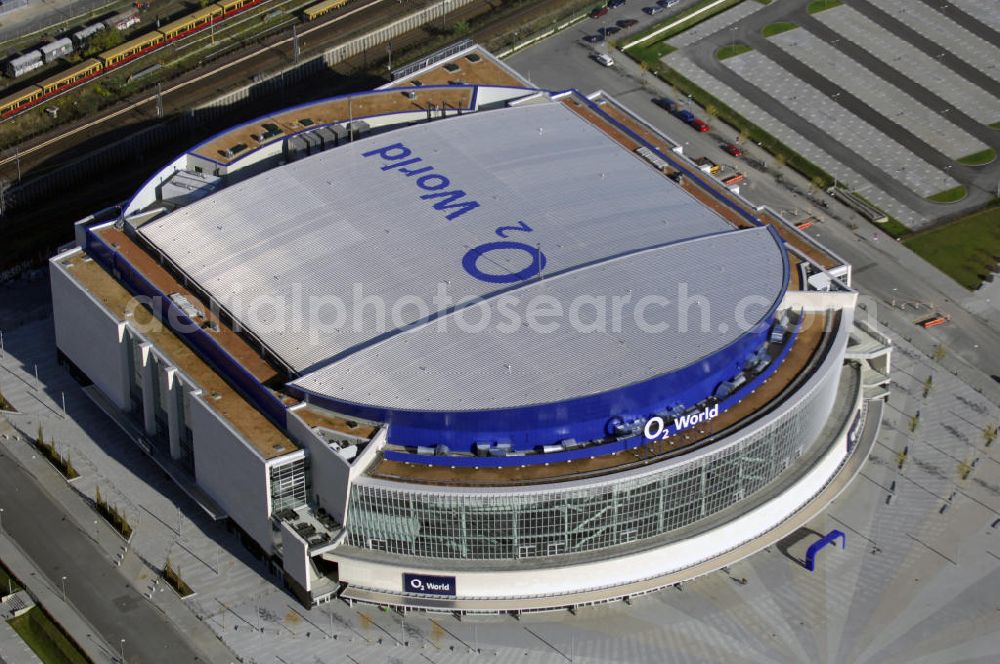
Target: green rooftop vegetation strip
[
  {"x": 46, "y": 639},
  {"x": 967, "y": 249},
  {"x": 980, "y": 158},
  {"x": 679, "y": 23},
  {"x": 777, "y": 28},
  {"x": 732, "y": 50},
  {"x": 995, "y": 125},
  {"x": 952, "y": 195},
  {"x": 822, "y": 5}
]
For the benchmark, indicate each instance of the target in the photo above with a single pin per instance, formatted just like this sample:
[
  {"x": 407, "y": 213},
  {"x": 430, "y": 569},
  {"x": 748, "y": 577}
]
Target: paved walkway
[{"x": 107, "y": 459}]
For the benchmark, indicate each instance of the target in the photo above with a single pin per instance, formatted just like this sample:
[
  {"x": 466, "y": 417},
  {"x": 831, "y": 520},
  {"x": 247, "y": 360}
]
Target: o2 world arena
[{"x": 462, "y": 344}]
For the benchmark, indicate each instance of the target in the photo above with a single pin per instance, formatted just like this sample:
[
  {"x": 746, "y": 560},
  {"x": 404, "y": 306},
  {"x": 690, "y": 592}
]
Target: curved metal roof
[
  {"x": 330, "y": 260},
  {"x": 700, "y": 295}
]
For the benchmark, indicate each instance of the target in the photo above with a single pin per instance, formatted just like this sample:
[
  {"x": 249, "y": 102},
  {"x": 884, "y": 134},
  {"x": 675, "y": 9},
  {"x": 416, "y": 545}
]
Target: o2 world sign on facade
[
  {"x": 425, "y": 584},
  {"x": 657, "y": 429}
]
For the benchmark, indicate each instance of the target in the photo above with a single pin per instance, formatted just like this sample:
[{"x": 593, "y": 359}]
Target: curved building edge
[
  {"x": 242, "y": 444},
  {"x": 537, "y": 588}
]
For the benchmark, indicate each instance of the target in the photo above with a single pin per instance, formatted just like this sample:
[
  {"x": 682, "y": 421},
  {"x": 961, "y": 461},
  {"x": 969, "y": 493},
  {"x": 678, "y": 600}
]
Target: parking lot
[{"x": 895, "y": 98}]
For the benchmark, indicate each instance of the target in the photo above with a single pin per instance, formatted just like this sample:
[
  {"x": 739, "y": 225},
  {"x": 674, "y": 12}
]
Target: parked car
[
  {"x": 615, "y": 3},
  {"x": 665, "y": 104},
  {"x": 684, "y": 115},
  {"x": 594, "y": 39},
  {"x": 607, "y": 32},
  {"x": 667, "y": 3},
  {"x": 604, "y": 59},
  {"x": 995, "y": 377},
  {"x": 700, "y": 125},
  {"x": 598, "y": 12},
  {"x": 627, "y": 23},
  {"x": 733, "y": 149},
  {"x": 652, "y": 11}
]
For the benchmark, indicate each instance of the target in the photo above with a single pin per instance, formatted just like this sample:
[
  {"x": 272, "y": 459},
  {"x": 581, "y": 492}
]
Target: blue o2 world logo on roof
[
  {"x": 455, "y": 203},
  {"x": 425, "y": 584}
]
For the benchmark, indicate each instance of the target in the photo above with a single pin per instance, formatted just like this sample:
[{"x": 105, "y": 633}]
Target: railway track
[
  {"x": 65, "y": 137},
  {"x": 227, "y": 72}
]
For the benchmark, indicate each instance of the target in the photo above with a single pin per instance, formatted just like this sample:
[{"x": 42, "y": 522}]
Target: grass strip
[
  {"x": 732, "y": 50},
  {"x": 967, "y": 249},
  {"x": 817, "y": 6},
  {"x": 777, "y": 28},
  {"x": 46, "y": 639},
  {"x": 952, "y": 195},
  {"x": 980, "y": 158}
]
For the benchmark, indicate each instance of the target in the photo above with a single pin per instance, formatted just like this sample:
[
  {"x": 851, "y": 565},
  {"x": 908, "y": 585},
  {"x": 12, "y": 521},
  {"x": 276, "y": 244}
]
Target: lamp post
[
  {"x": 1, "y": 521},
  {"x": 123, "y": 650},
  {"x": 64, "y": 588}
]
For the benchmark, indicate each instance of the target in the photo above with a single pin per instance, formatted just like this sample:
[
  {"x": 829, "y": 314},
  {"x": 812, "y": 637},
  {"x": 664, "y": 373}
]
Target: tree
[
  {"x": 817, "y": 182},
  {"x": 989, "y": 434},
  {"x": 4, "y": 404},
  {"x": 711, "y": 110},
  {"x": 928, "y": 384},
  {"x": 742, "y": 135},
  {"x": 940, "y": 352},
  {"x": 102, "y": 41}
]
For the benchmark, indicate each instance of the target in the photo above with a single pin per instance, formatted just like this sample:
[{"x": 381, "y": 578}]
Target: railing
[{"x": 436, "y": 56}]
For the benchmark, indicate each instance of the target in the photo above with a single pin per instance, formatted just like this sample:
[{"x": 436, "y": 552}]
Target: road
[
  {"x": 884, "y": 270},
  {"x": 93, "y": 586}
]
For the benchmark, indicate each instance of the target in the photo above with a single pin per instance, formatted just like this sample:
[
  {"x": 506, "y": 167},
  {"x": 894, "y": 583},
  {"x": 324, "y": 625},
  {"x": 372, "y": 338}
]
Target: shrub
[
  {"x": 173, "y": 577},
  {"x": 112, "y": 515},
  {"x": 48, "y": 450}
]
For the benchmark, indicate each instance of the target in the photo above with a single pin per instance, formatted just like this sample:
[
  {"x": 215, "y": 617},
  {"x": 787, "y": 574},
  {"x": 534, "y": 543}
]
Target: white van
[{"x": 604, "y": 59}]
